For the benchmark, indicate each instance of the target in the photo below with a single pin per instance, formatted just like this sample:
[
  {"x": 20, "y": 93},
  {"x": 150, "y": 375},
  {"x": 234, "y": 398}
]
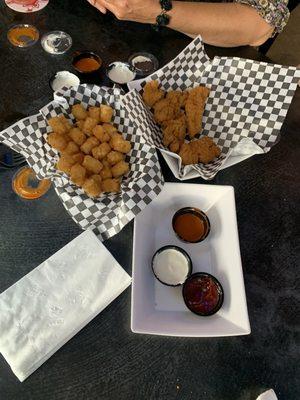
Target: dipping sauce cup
[
  {"x": 191, "y": 225},
  {"x": 203, "y": 294},
  {"x": 86, "y": 62}
]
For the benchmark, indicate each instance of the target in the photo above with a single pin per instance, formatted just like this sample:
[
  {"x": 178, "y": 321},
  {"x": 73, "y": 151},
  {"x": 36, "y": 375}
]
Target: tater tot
[
  {"x": 65, "y": 163},
  {"x": 72, "y": 148},
  {"x": 79, "y": 112},
  {"x": 109, "y": 129},
  {"x": 66, "y": 122},
  {"x": 119, "y": 144},
  {"x": 101, "y": 151},
  {"x": 77, "y": 136},
  {"x": 120, "y": 169},
  {"x": 78, "y": 174},
  {"x": 111, "y": 185},
  {"x": 78, "y": 157},
  {"x": 89, "y": 144},
  {"x": 92, "y": 187},
  {"x": 98, "y": 131},
  {"x": 106, "y": 173},
  {"x": 94, "y": 112},
  {"x": 79, "y": 124},
  {"x": 92, "y": 165},
  {"x": 113, "y": 157},
  {"x": 57, "y": 125},
  {"x": 57, "y": 141},
  {"x": 97, "y": 178},
  {"x": 106, "y": 113},
  {"x": 89, "y": 125}
]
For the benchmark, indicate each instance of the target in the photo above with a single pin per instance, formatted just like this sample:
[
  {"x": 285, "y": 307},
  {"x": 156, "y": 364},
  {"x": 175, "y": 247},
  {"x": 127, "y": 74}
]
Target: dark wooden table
[{"x": 106, "y": 360}]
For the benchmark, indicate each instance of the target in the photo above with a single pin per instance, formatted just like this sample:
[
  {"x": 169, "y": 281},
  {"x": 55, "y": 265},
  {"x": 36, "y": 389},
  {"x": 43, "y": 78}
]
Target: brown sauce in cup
[{"x": 189, "y": 227}]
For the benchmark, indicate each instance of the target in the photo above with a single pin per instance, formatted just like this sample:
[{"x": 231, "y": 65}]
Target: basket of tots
[{"x": 101, "y": 167}]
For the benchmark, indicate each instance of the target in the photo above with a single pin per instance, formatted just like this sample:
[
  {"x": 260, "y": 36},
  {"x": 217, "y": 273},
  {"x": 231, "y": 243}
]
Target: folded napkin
[
  {"x": 268, "y": 395},
  {"x": 48, "y": 306}
]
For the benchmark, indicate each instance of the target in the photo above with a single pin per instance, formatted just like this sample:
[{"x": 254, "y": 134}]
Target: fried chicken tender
[
  {"x": 78, "y": 174},
  {"x": 111, "y": 185},
  {"x": 175, "y": 145},
  {"x": 118, "y": 143},
  {"x": 89, "y": 144},
  {"x": 194, "y": 108},
  {"x": 177, "y": 98},
  {"x": 114, "y": 157},
  {"x": 94, "y": 112},
  {"x": 174, "y": 132},
  {"x": 92, "y": 165},
  {"x": 57, "y": 125},
  {"x": 57, "y": 141},
  {"x": 206, "y": 149},
  {"x": 188, "y": 154},
  {"x": 72, "y": 148},
  {"x": 120, "y": 169},
  {"x": 106, "y": 113},
  {"x": 77, "y": 136},
  {"x": 101, "y": 151},
  {"x": 152, "y": 93},
  {"x": 164, "y": 110},
  {"x": 92, "y": 186},
  {"x": 79, "y": 112},
  {"x": 100, "y": 134},
  {"x": 89, "y": 125}
]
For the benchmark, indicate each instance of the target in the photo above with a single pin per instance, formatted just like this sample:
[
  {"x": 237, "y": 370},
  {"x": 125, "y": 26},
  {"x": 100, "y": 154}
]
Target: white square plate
[{"x": 160, "y": 310}]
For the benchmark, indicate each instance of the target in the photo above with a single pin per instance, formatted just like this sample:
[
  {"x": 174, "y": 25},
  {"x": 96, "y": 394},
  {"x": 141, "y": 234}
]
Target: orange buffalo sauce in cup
[
  {"x": 26, "y": 185},
  {"x": 191, "y": 224}
]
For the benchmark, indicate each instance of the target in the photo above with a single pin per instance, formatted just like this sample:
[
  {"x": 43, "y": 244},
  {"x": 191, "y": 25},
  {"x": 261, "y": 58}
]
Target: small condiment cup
[
  {"x": 196, "y": 213},
  {"x": 178, "y": 250},
  {"x": 86, "y": 55},
  {"x": 121, "y": 66},
  {"x": 26, "y": 185},
  {"x": 139, "y": 62},
  {"x": 203, "y": 294}
]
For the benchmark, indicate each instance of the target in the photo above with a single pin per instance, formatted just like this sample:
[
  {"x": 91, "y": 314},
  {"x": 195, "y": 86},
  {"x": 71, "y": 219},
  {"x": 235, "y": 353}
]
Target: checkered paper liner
[
  {"x": 108, "y": 214},
  {"x": 248, "y": 99}
]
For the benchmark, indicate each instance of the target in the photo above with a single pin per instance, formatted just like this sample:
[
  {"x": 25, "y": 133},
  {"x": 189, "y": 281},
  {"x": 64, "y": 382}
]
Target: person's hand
[{"x": 130, "y": 10}]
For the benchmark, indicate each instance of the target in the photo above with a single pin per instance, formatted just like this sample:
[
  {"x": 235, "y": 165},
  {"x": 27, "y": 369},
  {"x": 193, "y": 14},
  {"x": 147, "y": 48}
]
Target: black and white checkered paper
[
  {"x": 248, "y": 102},
  {"x": 108, "y": 214}
]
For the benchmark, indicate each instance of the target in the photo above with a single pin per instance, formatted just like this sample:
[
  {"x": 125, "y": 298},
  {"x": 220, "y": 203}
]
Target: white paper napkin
[
  {"x": 48, "y": 306},
  {"x": 268, "y": 395}
]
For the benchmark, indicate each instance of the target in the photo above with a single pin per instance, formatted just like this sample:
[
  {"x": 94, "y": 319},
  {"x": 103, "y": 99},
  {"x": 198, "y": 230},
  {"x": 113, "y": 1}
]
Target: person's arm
[{"x": 219, "y": 24}]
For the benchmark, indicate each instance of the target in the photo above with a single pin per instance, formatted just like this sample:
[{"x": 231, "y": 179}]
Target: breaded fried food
[
  {"x": 92, "y": 165},
  {"x": 194, "y": 108},
  {"x": 188, "y": 154},
  {"x": 206, "y": 149},
  {"x": 78, "y": 174},
  {"x": 111, "y": 185},
  {"x": 77, "y": 136},
  {"x": 89, "y": 144},
  {"x": 120, "y": 169},
  {"x": 105, "y": 173},
  {"x": 72, "y": 148},
  {"x": 109, "y": 129},
  {"x": 79, "y": 124},
  {"x": 106, "y": 113},
  {"x": 164, "y": 110},
  {"x": 152, "y": 93},
  {"x": 113, "y": 157},
  {"x": 89, "y": 125},
  {"x": 79, "y": 112},
  {"x": 118, "y": 143},
  {"x": 94, "y": 112},
  {"x": 100, "y": 134},
  {"x": 57, "y": 125},
  {"x": 65, "y": 163},
  {"x": 65, "y": 122},
  {"x": 92, "y": 187},
  {"x": 101, "y": 151},
  {"x": 175, "y": 145},
  {"x": 177, "y": 98},
  {"x": 78, "y": 157},
  {"x": 57, "y": 141},
  {"x": 174, "y": 132}
]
